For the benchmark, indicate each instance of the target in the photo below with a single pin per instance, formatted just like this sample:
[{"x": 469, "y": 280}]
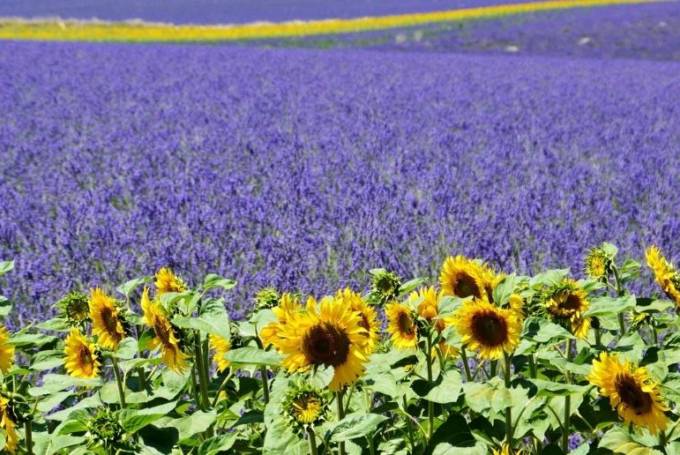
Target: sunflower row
[{"x": 482, "y": 362}]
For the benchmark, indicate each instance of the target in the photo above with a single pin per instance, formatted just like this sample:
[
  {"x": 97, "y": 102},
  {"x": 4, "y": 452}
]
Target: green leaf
[
  {"x": 448, "y": 390},
  {"x": 356, "y": 425},
  {"x": 620, "y": 441},
  {"x": 447, "y": 449},
  {"x": 132, "y": 420},
  {"x": 57, "y": 382},
  {"x": 218, "y": 444},
  {"x": 189, "y": 425},
  {"x": 213, "y": 281},
  {"x": 549, "y": 331},
  {"x": 321, "y": 377},
  {"x": 212, "y": 324},
  {"x": 605, "y": 305},
  {"x": 410, "y": 285},
  {"x": 6, "y": 266},
  {"x": 126, "y": 349},
  {"x": 129, "y": 286},
  {"x": 5, "y": 306},
  {"x": 47, "y": 360},
  {"x": 253, "y": 356}
]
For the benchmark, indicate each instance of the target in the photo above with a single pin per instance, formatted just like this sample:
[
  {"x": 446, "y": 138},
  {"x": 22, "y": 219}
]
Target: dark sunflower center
[
  {"x": 466, "y": 286},
  {"x": 632, "y": 395},
  {"x": 405, "y": 324},
  {"x": 572, "y": 303},
  {"x": 77, "y": 311},
  {"x": 162, "y": 332},
  {"x": 85, "y": 357},
  {"x": 364, "y": 324},
  {"x": 110, "y": 321},
  {"x": 489, "y": 328},
  {"x": 326, "y": 344}
]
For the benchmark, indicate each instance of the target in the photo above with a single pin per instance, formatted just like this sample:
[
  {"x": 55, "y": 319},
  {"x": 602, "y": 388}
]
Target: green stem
[
  {"x": 598, "y": 337},
  {"x": 408, "y": 426},
  {"x": 28, "y": 427},
  {"x": 619, "y": 292},
  {"x": 430, "y": 404},
  {"x": 466, "y": 366},
  {"x": 265, "y": 383},
  {"x": 200, "y": 369},
  {"x": 656, "y": 334},
  {"x": 312, "y": 441},
  {"x": 532, "y": 366},
  {"x": 142, "y": 378},
  {"x": 663, "y": 441},
  {"x": 508, "y": 410},
  {"x": 567, "y": 404},
  {"x": 119, "y": 382},
  {"x": 341, "y": 415},
  {"x": 493, "y": 368}
]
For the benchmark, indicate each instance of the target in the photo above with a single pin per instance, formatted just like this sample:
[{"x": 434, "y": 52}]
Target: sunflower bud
[
  {"x": 385, "y": 286},
  {"x": 266, "y": 298},
  {"x": 74, "y": 308}
]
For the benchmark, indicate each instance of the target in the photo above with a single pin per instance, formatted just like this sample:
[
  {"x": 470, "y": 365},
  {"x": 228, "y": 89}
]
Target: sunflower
[
  {"x": 74, "y": 308},
  {"x": 106, "y": 321},
  {"x": 369, "y": 318},
  {"x": 221, "y": 346},
  {"x": 490, "y": 279},
  {"x": 326, "y": 334},
  {"x": 506, "y": 450},
  {"x": 289, "y": 307},
  {"x": 631, "y": 391},
  {"x": 81, "y": 356},
  {"x": 6, "y": 350},
  {"x": 567, "y": 303},
  {"x": 304, "y": 406},
  {"x": 165, "y": 338},
  {"x": 597, "y": 264},
  {"x": 487, "y": 328},
  {"x": 516, "y": 303},
  {"x": 7, "y": 423},
  {"x": 665, "y": 274},
  {"x": 401, "y": 326},
  {"x": 167, "y": 281},
  {"x": 463, "y": 277}
]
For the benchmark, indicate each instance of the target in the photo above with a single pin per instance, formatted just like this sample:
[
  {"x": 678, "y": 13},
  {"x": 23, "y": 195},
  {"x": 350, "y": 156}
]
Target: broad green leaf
[
  {"x": 253, "y": 356},
  {"x": 448, "y": 390},
  {"x": 57, "y": 382},
  {"x": 132, "y": 420},
  {"x": 189, "y": 425},
  {"x": 447, "y": 449},
  {"x": 620, "y": 441},
  {"x": 218, "y": 444},
  {"x": 356, "y": 425},
  {"x": 321, "y": 377},
  {"x": 129, "y": 286},
  {"x": 207, "y": 324},
  {"x": 5, "y": 306},
  {"x": 213, "y": 281},
  {"x": 606, "y": 305},
  {"x": 6, "y": 266}
]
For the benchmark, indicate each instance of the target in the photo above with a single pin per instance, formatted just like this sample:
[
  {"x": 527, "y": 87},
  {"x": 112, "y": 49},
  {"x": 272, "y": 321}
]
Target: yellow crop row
[{"x": 16, "y": 29}]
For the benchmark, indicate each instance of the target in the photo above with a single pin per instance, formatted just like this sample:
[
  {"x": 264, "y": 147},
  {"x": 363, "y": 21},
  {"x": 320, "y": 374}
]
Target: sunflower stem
[
  {"x": 466, "y": 366},
  {"x": 28, "y": 427},
  {"x": 619, "y": 292},
  {"x": 508, "y": 410},
  {"x": 493, "y": 367},
  {"x": 532, "y": 366},
  {"x": 312, "y": 441},
  {"x": 430, "y": 404},
  {"x": 142, "y": 378},
  {"x": 567, "y": 403},
  {"x": 202, "y": 379},
  {"x": 341, "y": 415},
  {"x": 662, "y": 441},
  {"x": 265, "y": 383},
  {"x": 119, "y": 382}
]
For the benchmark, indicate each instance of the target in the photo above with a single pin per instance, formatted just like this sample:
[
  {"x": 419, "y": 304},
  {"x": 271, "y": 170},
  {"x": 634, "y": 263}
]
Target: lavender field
[{"x": 303, "y": 169}]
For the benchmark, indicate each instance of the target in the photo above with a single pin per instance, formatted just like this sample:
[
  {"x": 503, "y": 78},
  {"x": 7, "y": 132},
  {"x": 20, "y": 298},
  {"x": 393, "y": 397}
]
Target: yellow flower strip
[{"x": 18, "y": 29}]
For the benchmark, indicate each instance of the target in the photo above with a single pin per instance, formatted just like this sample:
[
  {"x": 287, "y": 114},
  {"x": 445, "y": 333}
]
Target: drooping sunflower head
[
  {"x": 6, "y": 350},
  {"x": 107, "y": 322},
  {"x": 566, "y": 303},
  {"x": 165, "y": 334},
  {"x": 82, "y": 360},
  {"x": 491, "y": 279},
  {"x": 463, "y": 277},
  {"x": 167, "y": 281},
  {"x": 597, "y": 264},
  {"x": 487, "y": 329},
  {"x": 266, "y": 298},
  {"x": 367, "y": 315},
  {"x": 385, "y": 286},
  {"x": 401, "y": 326},
  {"x": 326, "y": 334},
  {"x": 665, "y": 273},
  {"x": 305, "y": 406},
  {"x": 289, "y": 307},
  {"x": 631, "y": 391},
  {"x": 8, "y": 424},
  {"x": 220, "y": 347},
  {"x": 74, "y": 308}
]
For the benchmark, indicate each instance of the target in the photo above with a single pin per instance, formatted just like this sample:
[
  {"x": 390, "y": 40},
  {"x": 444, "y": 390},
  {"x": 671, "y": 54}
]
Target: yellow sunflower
[
  {"x": 167, "y": 281},
  {"x": 463, "y": 277},
  {"x": 7, "y": 424},
  {"x": 165, "y": 338},
  {"x": 306, "y": 408},
  {"x": 506, "y": 450},
  {"x": 6, "y": 350},
  {"x": 328, "y": 334},
  {"x": 597, "y": 264},
  {"x": 106, "y": 320},
  {"x": 289, "y": 306},
  {"x": 74, "y": 308},
  {"x": 487, "y": 328},
  {"x": 664, "y": 273},
  {"x": 81, "y": 356},
  {"x": 401, "y": 326},
  {"x": 221, "y": 346},
  {"x": 568, "y": 303},
  {"x": 491, "y": 279},
  {"x": 631, "y": 391},
  {"x": 369, "y": 318}
]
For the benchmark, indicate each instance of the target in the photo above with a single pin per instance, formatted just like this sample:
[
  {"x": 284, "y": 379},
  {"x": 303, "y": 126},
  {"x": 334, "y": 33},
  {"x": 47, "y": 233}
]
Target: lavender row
[{"x": 303, "y": 169}]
